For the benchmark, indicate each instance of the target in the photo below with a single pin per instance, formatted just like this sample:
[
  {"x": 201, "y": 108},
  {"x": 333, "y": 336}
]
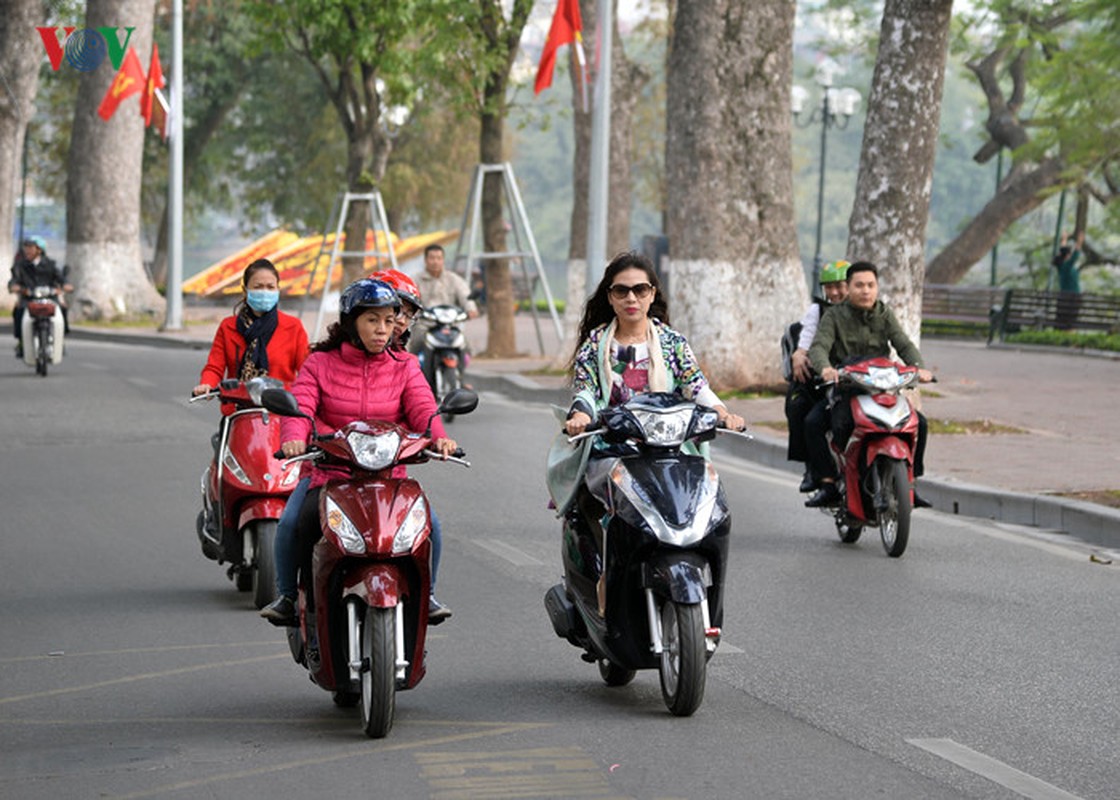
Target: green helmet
[{"x": 834, "y": 271}]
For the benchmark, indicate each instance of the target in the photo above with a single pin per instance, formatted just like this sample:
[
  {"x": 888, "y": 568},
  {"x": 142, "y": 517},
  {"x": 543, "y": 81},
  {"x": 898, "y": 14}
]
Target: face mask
[{"x": 262, "y": 300}]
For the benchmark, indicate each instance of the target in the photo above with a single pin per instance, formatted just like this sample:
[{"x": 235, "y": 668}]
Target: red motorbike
[
  {"x": 371, "y": 576},
  {"x": 877, "y": 464},
  {"x": 244, "y": 488}
]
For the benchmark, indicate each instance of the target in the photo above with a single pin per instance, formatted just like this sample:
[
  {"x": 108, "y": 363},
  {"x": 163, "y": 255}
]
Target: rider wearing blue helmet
[{"x": 351, "y": 375}]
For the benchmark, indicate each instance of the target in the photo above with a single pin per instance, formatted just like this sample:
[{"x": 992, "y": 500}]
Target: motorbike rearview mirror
[
  {"x": 282, "y": 402},
  {"x": 459, "y": 401}
]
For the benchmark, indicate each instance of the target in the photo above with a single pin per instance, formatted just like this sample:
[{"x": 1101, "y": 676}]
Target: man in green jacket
[{"x": 860, "y": 327}]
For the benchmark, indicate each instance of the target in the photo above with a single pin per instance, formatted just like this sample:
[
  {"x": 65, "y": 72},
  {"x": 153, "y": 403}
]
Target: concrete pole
[
  {"x": 598, "y": 180},
  {"x": 175, "y": 189}
]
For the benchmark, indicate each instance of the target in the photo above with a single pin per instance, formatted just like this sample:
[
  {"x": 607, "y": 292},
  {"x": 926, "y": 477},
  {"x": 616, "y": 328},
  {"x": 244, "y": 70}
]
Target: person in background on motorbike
[
  {"x": 440, "y": 287},
  {"x": 860, "y": 327},
  {"x": 351, "y": 375},
  {"x": 33, "y": 268},
  {"x": 258, "y": 339},
  {"x": 802, "y": 394},
  {"x": 411, "y": 305},
  {"x": 626, "y": 347}
]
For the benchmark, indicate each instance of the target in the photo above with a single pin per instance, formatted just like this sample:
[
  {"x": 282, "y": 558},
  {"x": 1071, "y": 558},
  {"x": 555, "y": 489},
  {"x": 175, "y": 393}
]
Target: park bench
[
  {"x": 1033, "y": 309},
  {"x": 959, "y": 309}
]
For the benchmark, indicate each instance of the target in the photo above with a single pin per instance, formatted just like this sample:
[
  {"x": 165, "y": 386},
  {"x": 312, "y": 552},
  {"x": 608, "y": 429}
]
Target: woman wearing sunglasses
[{"x": 626, "y": 347}]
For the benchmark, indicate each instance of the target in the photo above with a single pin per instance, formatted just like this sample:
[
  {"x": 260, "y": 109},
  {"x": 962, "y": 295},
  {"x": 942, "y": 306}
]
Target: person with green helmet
[{"x": 801, "y": 395}]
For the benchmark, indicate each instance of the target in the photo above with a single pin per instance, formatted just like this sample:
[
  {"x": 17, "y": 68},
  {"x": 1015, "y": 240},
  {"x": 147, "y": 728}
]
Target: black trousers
[
  {"x": 308, "y": 532},
  {"x": 800, "y": 399},
  {"x": 839, "y": 420}
]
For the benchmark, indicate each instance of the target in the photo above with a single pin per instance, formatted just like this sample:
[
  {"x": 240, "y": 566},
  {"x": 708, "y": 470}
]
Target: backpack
[{"x": 789, "y": 344}]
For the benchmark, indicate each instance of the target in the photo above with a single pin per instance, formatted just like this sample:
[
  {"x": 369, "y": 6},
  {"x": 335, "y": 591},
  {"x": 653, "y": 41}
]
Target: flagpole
[
  {"x": 597, "y": 201},
  {"x": 175, "y": 189}
]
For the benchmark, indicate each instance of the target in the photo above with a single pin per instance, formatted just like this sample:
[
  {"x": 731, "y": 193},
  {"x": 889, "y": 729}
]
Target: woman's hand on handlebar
[
  {"x": 202, "y": 388},
  {"x": 445, "y": 447},
  {"x": 925, "y": 376},
  {"x": 293, "y": 448},
  {"x": 576, "y": 423},
  {"x": 732, "y": 421}
]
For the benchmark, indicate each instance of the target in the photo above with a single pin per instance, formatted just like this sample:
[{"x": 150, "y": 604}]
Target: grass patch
[
  {"x": 1107, "y": 497},
  {"x": 930, "y": 393},
  {"x": 1090, "y": 341},
  {"x": 550, "y": 371},
  {"x": 776, "y": 425},
  {"x": 542, "y": 305},
  {"x": 750, "y": 394},
  {"x": 972, "y": 426}
]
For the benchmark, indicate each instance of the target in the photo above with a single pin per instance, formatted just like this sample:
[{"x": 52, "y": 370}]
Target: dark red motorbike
[
  {"x": 877, "y": 464},
  {"x": 244, "y": 488},
  {"x": 371, "y": 569}
]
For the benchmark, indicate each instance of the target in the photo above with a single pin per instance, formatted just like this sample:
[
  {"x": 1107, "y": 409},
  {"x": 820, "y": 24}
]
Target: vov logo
[{"x": 84, "y": 48}]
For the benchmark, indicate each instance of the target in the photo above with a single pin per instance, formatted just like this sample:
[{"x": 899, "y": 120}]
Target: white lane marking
[
  {"x": 510, "y": 553},
  {"x": 1017, "y": 781}
]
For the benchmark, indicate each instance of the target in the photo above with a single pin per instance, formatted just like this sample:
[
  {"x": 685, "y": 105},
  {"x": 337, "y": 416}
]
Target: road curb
[{"x": 1097, "y": 525}]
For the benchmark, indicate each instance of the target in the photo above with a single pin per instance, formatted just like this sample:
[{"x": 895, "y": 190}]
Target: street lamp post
[{"x": 837, "y": 107}]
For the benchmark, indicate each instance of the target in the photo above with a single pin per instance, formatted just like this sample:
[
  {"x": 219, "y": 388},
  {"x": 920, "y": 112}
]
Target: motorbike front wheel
[
  {"x": 683, "y": 658},
  {"x": 379, "y": 682},
  {"x": 42, "y": 351},
  {"x": 894, "y": 521},
  {"x": 264, "y": 563}
]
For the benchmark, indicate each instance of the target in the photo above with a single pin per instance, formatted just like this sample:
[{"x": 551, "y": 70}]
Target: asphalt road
[{"x": 981, "y": 664}]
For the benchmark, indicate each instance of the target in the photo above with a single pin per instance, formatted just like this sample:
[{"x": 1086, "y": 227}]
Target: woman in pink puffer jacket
[{"x": 351, "y": 375}]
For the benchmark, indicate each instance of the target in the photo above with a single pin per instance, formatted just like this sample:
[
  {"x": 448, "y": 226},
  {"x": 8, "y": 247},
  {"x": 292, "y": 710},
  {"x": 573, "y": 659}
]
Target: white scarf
[{"x": 658, "y": 377}]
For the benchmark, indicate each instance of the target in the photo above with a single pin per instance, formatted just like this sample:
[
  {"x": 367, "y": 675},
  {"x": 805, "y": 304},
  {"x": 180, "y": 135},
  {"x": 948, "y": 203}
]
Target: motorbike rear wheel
[
  {"x": 613, "y": 674},
  {"x": 684, "y": 660},
  {"x": 379, "y": 682},
  {"x": 894, "y": 521},
  {"x": 42, "y": 351},
  {"x": 264, "y": 563}
]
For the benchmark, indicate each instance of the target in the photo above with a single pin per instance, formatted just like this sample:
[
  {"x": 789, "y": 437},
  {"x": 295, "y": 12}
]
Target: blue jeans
[{"x": 284, "y": 547}]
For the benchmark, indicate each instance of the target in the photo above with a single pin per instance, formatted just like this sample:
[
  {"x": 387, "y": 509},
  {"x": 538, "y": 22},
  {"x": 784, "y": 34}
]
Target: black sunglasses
[{"x": 641, "y": 291}]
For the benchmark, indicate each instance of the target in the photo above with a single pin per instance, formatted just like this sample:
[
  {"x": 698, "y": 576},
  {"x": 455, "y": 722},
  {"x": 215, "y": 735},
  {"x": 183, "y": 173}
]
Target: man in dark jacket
[
  {"x": 860, "y": 327},
  {"x": 33, "y": 268}
]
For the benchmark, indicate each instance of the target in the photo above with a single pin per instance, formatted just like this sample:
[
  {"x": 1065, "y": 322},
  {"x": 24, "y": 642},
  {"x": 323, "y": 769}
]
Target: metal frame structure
[
  {"x": 378, "y": 221},
  {"x": 472, "y": 235}
]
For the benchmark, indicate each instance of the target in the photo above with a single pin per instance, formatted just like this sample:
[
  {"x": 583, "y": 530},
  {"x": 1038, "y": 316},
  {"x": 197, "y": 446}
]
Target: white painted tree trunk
[
  {"x": 21, "y": 54},
  {"x": 735, "y": 278},
  {"x": 888, "y": 222},
  {"x": 103, "y": 186}
]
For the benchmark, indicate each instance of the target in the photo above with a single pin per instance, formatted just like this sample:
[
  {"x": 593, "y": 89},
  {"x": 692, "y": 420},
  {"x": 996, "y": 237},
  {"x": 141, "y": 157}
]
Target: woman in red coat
[{"x": 258, "y": 339}]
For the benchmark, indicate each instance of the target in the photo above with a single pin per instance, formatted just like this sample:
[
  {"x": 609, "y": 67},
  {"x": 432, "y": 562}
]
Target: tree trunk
[
  {"x": 1020, "y": 193},
  {"x": 888, "y": 222},
  {"x": 735, "y": 277},
  {"x": 103, "y": 186},
  {"x": 21, "y": 55},
  {"x": 501, "y": 339},
  {"x": 368, "y": 154}
]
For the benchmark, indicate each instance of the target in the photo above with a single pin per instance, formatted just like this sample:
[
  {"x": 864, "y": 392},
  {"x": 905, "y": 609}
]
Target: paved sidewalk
[{"x": 1058, "y": 403}]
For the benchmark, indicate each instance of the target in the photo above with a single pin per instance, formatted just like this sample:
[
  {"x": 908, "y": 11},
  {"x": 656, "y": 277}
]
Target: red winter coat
[
  {"x": 286, "y": 350},
  {"x": 340, "y": 386}
]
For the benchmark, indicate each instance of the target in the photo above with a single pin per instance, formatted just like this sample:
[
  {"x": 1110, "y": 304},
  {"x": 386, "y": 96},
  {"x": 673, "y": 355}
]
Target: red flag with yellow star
[
  {"x": 155, "y": 81},
  {"x": 128, "y": 81}
]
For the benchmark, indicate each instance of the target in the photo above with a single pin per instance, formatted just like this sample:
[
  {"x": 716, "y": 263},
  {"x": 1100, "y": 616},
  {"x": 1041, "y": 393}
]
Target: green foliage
[{"x": 1088, "y": 341}]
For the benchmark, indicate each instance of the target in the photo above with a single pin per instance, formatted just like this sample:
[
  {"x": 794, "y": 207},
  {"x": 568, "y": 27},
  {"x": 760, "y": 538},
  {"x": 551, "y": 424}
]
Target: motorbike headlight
[
  {"x": 349, "y": 535},
  {"x": 664, "y": 429},
  {"x": 374, "y": 452},
  {"x": 414, "y": 523},
  {"x": 884, "y": 378}
]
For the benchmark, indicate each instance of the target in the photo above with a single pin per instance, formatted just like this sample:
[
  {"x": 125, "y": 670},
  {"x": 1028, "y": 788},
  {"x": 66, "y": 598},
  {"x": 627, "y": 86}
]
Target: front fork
[
  {"x": 354, "y": 642},
  {"x": 657, "y": 646}
]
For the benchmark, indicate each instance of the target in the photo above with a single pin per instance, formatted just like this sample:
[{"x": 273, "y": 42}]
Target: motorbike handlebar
[{"x": 456, "y": 457}]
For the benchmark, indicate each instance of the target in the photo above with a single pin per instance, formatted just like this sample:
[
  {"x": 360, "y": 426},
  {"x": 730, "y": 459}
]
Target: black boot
[
  {"x": 808, "y": 483},
  {"x": 827, "y": 495}
]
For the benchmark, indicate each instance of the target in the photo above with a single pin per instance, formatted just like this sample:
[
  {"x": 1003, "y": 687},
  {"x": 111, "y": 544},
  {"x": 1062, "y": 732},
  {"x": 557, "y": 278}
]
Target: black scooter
[
  {"x": 645, "y": 542},
  {"x": 443, "y": 352}
]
